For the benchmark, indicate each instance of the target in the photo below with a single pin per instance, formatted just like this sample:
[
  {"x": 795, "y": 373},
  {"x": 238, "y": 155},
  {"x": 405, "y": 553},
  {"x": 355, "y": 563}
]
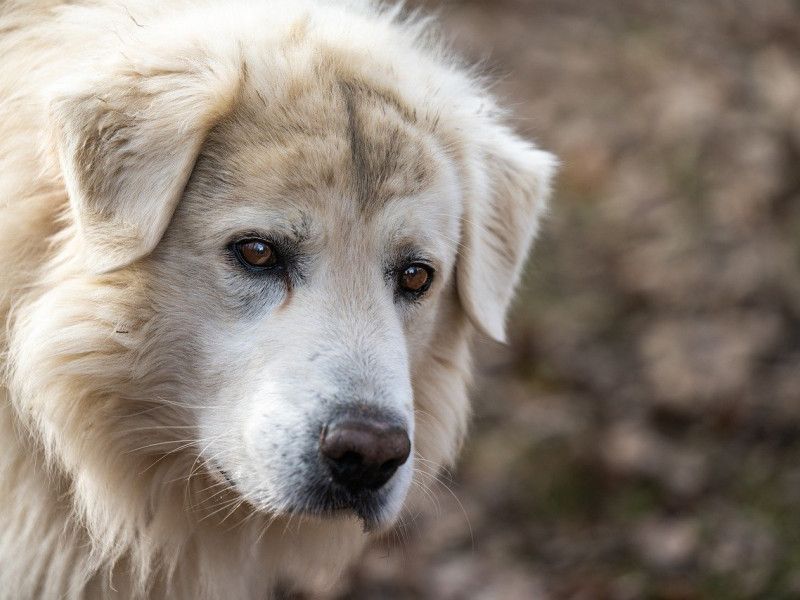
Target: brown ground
[{"x": 640, "y": 436}]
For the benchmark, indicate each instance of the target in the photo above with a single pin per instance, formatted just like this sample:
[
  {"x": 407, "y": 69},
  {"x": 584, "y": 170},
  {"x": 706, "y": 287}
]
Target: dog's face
[
  {"x": 315, "y": 241},
  {"x": 311, "y": 237}
]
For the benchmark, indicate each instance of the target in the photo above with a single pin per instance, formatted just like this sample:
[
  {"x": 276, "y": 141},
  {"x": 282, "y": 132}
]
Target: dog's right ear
[
  {"x": 509, "y": 194},
  {"x": 127, "y": 146}
]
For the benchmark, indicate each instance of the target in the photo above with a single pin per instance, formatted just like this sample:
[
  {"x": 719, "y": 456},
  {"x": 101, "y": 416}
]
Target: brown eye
[
  {"x": 256, "y": 254},
  {"x": 416, "y": 279}
]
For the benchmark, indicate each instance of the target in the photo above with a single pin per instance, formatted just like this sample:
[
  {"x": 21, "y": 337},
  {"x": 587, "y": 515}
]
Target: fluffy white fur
[{"x": 159, "y": 404}]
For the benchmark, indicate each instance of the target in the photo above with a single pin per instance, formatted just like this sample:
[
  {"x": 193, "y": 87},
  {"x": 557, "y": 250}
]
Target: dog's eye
[
  {"x": 415, "y": 279},
  {"x": 255, "y": 254}
]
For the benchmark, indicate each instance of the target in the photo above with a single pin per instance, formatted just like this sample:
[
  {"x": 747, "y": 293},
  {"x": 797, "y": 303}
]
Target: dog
[{"x": 244, "y": 249}]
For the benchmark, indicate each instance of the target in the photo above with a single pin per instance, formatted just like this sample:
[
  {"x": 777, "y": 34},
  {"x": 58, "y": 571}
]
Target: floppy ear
[
  {"x": 127, "y": 146},
  {"x": 509, "y": 193}
]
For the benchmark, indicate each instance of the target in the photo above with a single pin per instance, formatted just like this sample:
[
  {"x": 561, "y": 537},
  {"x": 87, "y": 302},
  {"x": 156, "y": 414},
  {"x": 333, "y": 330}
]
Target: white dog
[{"x": 243, "y": 247}]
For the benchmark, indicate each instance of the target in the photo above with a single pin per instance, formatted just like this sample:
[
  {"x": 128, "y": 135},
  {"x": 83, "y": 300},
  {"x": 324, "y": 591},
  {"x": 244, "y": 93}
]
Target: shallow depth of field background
[{"x": 640, "y": 436}]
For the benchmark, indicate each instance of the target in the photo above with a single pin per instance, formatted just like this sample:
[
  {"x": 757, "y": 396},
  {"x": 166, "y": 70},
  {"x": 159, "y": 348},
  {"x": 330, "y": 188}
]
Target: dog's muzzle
[{"x": 359, "y": 451}]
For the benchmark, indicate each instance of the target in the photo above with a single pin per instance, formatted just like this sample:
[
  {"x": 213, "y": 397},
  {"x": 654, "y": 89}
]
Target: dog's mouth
[
  {"x": 319, "y": 499},
  {"x": 333, "y": 501},
  {"x": 354, "y": 462}
]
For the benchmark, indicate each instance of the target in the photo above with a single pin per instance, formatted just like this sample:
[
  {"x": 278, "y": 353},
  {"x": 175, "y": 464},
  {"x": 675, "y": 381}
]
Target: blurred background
[{"x": 639, "y": 438}]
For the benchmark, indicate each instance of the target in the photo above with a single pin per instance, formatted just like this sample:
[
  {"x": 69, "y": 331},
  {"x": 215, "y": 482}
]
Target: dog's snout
[{"x": 364, "y": 453}]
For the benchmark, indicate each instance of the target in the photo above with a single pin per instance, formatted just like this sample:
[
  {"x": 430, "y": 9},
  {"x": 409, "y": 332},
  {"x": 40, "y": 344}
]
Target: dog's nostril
[
  {"x": 390, "y": 466},
  {"x": 350, "y": 460},
  {"x": 364, "y": 453}
]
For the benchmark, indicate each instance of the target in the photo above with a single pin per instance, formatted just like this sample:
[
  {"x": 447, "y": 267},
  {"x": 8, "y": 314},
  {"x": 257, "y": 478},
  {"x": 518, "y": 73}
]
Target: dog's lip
[
  {"x": 368, "y": 524},
  {"x": 368, "y": 520},
  {"x": 331, "y": 501},
  {"x": 368, "y": 506}
]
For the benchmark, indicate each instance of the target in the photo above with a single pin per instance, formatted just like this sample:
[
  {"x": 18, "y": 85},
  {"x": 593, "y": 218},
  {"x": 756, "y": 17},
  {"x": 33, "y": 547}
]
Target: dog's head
[{"x": 313, "y": 226}]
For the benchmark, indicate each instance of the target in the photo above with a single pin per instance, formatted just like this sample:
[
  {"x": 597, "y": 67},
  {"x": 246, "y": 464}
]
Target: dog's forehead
[{"x": 316, "y": 140}]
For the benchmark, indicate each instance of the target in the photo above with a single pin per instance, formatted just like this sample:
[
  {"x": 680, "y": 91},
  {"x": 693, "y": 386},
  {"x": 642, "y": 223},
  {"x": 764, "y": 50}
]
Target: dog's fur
[{"x": 160, "y": 404}]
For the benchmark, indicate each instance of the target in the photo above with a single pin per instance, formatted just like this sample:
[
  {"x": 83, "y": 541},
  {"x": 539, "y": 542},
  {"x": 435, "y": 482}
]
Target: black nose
[{"x": 364, "y": 452}]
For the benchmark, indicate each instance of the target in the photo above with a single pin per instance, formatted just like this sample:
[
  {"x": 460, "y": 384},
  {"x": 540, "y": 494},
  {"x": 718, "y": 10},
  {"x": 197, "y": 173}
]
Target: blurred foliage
[{"x": 640, "y": 436}]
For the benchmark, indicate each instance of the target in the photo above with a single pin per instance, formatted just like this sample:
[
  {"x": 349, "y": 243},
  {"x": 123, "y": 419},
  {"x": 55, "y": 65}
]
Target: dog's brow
[
  {"x": 293, "y": 228},
  {"x": 375, "y": 160},
  {"x": 301, "y": 227}
]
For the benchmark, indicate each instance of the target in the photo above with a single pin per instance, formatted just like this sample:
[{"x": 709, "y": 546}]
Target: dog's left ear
[
  {"x": 127, "y": 146},
  {"x": 511, "y": 183}
]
